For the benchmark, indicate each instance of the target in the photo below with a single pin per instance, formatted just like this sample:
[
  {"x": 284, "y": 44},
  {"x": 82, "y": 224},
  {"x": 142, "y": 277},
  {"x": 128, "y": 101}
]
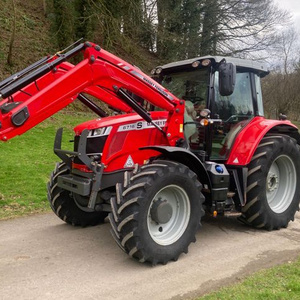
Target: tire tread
[{"x": 125, "y": 211}]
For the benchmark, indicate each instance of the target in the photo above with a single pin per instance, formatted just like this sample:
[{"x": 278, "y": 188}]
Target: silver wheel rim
[
  {"x": 281, "y": 184},
  {"x": 171, "y": 231}
]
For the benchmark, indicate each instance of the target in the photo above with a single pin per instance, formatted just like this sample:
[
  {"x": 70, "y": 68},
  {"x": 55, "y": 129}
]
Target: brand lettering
[{"x": 141, "y": 125}]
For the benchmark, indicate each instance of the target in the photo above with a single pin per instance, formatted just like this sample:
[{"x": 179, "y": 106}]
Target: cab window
[{"x": 233, "y": 112}]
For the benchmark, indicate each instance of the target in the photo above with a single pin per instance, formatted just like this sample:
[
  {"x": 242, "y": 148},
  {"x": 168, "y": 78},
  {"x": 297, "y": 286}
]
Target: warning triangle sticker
[
  {"x": 236, "y": 161},
  {"x": 129, "y": 162}
]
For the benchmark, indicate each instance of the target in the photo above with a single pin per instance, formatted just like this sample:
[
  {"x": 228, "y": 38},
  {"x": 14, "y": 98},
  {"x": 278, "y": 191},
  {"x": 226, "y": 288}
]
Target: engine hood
[{"x": 117, "y": 120}]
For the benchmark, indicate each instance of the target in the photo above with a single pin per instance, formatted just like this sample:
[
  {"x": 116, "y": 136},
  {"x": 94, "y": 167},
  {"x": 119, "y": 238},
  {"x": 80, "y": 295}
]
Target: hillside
[{"x": 34, "y": 38}]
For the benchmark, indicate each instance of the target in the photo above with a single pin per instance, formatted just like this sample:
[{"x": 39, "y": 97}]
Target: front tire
[
  {"x": 273, "y": 190},
  {"x": 157, "y": 211},
  {"x": 64, "y": 206}
]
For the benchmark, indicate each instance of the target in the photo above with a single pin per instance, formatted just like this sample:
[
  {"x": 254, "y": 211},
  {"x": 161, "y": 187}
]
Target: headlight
[{"x": 100, "y": 131}]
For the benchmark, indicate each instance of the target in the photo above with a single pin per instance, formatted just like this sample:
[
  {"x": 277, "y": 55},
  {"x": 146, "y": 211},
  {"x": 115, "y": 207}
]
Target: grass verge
[
  {"x": 28, "y": 160},
  {"x": 278, "y": 283}
]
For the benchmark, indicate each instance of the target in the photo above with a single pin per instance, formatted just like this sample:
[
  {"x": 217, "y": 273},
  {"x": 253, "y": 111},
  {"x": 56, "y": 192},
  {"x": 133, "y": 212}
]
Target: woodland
[{"x": 149, "y": 32}]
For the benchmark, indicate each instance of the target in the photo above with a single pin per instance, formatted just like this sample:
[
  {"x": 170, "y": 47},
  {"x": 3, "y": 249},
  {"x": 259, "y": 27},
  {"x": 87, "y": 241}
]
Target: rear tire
[
  {"x": 273, "y": 190},
  {"x": 64, "y": 205},
  {"x": 157, "y": 211}
]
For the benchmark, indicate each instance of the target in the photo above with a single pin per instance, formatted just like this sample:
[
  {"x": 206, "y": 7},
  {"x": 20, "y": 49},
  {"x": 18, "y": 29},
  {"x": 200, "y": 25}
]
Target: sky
[{"x": 293, "y": 6}]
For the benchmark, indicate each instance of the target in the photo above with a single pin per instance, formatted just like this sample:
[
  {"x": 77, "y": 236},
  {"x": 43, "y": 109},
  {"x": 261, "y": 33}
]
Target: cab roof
[{"x": 256, "y": 66}]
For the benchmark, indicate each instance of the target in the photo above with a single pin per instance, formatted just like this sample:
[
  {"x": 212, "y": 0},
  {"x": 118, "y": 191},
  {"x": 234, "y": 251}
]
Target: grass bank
[
  {"x": 278, "y": 283},
  {"x": 27, "y": 161}
]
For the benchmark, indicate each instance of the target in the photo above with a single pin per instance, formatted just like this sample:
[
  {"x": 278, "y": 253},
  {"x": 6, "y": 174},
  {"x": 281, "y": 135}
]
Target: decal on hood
[{"x": 141, "y": 125}]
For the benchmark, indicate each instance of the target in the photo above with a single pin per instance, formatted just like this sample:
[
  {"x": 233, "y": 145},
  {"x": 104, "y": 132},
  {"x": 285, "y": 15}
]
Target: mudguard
[
  {"x": 185, "y": 157},
  {"x": 250, "y": 136}
]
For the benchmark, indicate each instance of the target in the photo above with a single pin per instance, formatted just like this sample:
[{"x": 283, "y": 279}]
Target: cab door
[{"x": 230, "y": 114}]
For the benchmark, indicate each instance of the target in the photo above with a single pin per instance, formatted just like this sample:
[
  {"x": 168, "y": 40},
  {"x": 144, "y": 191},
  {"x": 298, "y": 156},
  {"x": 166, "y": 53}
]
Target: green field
[{"x": 28, "y": 160}]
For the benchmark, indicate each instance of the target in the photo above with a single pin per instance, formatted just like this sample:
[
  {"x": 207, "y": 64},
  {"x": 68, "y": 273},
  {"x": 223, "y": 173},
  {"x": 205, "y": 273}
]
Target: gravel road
[{"x": 43, "y": 258}]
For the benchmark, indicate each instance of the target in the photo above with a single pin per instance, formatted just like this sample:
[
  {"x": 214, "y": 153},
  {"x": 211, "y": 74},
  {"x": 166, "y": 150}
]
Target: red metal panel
[
  {"x": 118, "y": 120},
  {"x": 129, "y": 133},
  {"x": 249, "y": 138},
  {"x": 46, "y": 102},
  {"x": 98, "y": 74}
]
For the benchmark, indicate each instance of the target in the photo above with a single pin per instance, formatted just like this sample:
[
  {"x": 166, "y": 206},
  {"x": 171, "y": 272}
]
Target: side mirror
[{"x": 227, "y": 74}]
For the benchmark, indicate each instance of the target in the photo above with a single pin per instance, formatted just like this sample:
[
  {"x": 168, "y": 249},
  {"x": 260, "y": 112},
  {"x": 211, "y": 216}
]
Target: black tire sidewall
[
  {"x": 188, "y": 185},
  {"x": 287, "y": 147}
]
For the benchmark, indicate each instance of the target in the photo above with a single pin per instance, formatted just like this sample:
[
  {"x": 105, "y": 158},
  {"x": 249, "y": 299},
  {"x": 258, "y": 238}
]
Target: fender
[
  {"x": 185, "y": 157},
  {"x": 250, "y": 136}
]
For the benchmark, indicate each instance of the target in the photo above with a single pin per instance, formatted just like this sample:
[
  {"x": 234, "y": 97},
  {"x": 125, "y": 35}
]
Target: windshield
[
  {"x": 191, "y": 86},
  {"x": 188, "y": 85}
]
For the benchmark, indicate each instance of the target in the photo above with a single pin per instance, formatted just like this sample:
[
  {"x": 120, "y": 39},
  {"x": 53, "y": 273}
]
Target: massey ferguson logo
[{"x": 142, "y": 125}]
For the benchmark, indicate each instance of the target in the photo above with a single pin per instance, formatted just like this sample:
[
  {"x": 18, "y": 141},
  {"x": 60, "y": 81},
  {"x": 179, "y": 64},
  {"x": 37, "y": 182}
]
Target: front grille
[{"x": 94, "y": 146}]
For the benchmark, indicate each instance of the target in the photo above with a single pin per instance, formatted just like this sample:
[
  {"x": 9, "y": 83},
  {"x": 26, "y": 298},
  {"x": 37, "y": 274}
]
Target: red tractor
[{"x": 192, "y": 138}]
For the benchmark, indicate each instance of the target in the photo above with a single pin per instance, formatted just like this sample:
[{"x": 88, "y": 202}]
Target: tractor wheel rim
[
  {"x": 281, "y": 184},
  {"x": 173, "y": 228}
]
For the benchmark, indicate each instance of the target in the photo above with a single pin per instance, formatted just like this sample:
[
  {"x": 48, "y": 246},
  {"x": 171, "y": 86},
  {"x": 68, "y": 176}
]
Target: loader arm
[{"x": 38, "y": 95}]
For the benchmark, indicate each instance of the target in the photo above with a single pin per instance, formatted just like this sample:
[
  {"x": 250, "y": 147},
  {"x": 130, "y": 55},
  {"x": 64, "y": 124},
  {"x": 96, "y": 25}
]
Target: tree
[
  {"x": 132, "y": 18},
  {"x": 83, "y": 26},
  {"x": 64, "y": 22},
  {"x": 187, "y": 28},
  {"x": 192, "y": 27},
  {"x": 239, "y": 27},
  {"x": 210, "y": 35},
  {"x": 13, "y": 34},
  {"x": 169, "y": 28},
  {"x": 173, "y": 29},
  {"x": 281, "y": 88},
  {"x": 286, "y": 51}
]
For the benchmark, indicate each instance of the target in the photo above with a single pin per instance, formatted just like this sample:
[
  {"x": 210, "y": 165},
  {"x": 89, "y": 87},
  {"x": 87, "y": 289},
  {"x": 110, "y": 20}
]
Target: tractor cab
[{"x": 221, "y": 96}]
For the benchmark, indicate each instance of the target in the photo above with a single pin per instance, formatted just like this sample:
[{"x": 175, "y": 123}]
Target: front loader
[{"x": 188, "y": 140}]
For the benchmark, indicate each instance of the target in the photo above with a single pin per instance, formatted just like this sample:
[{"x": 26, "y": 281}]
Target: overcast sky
[{"x": 293, "y": 6}]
